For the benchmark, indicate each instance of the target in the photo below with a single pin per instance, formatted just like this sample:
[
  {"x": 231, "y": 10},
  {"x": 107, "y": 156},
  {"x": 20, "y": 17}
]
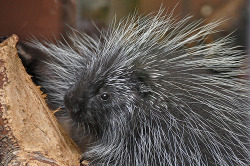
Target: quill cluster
[{"x": 150, "y": 91}]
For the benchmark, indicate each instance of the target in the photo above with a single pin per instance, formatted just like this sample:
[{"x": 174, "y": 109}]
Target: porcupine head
[{"x": 140, "y": 95}]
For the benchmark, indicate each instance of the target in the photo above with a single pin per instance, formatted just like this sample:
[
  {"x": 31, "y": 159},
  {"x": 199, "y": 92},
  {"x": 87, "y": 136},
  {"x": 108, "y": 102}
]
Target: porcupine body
[{"x": 140, "y": 95}]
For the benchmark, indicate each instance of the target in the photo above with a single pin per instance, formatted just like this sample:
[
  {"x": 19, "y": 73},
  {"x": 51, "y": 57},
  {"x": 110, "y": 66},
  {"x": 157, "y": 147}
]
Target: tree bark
[{"x": 29, "y": 132}]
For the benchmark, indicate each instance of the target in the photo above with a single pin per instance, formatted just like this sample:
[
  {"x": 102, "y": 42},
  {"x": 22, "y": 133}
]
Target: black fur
[{"x": 140, "y": 96}]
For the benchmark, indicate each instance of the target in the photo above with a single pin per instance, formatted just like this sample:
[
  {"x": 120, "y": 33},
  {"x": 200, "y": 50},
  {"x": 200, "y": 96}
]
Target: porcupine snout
[{"x": 75, "y": 103}]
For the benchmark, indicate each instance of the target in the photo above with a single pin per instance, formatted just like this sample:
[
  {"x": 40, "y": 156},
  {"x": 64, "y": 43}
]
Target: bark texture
[{"x": 29, "y": 132}]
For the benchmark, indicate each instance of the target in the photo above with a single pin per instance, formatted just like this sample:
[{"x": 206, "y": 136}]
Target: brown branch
[{"x": 29, "y": 132}]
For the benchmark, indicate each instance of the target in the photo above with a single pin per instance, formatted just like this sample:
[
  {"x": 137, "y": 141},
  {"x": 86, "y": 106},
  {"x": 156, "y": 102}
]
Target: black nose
[
  {"x": 76, "y": 109},
  {"x": 72, "y": 107}
]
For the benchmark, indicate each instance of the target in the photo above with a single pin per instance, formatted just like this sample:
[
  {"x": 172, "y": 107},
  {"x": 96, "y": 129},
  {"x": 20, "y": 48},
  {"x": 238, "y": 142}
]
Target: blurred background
[{"x": 51, "y": 19}]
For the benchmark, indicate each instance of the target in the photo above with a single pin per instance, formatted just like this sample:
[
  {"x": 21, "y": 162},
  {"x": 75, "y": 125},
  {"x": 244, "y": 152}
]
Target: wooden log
[{"x": 29, "y": 132}]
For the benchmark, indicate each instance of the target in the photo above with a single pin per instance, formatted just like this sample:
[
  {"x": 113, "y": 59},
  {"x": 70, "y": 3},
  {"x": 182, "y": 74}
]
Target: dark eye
[{"x": 104, "y": 96}]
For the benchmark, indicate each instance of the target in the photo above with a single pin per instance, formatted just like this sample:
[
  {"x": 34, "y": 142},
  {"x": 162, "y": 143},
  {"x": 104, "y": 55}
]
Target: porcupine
[{"x": 148, "y": 91}]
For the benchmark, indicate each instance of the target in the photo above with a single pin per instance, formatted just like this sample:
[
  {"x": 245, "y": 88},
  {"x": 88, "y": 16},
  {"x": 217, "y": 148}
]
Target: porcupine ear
[
  {"x": 22, "y": 50},
  {"x": 31, "y": 57},
  {"x": 26, "y": 52}
]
